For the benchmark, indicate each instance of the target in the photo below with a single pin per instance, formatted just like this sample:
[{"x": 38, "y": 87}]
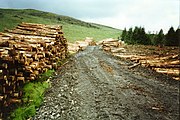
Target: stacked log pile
[
  {"x": 169, "y": 65},
  {"x": 163, "y": 60},
  {"x": 25, "y": 52},
  {"x": 110, "y": 44},
  {"x": 80, "y": 45}
]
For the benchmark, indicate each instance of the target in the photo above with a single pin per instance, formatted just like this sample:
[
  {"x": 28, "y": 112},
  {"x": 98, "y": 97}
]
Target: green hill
[{"x": 74, "y": 29}]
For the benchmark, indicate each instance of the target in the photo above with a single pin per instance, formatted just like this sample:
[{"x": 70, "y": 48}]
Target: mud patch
[{"x": 106, "y": 67}]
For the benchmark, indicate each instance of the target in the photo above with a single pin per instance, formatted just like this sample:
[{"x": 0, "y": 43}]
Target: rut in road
[{"x": 96, "y": 86}]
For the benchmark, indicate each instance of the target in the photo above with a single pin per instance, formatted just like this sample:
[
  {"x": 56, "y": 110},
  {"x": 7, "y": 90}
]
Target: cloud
[
  {"x": 153, "y": 14},
  {"x": 88, "y": 8},
  {"x": 75, "y": 8}
]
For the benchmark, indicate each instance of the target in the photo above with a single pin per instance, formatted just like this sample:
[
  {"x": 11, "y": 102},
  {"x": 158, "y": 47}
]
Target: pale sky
[{"x": 151, "y": 14}]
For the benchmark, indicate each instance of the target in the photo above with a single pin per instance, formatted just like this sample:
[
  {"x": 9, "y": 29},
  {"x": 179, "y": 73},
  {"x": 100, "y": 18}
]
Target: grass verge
[{"x": 32, "y": 97}]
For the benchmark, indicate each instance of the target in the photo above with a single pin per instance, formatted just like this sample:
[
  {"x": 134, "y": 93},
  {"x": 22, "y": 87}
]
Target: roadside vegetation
[
  {"x": 74, "y": 29},
  {"x": 32, "y": 97}
]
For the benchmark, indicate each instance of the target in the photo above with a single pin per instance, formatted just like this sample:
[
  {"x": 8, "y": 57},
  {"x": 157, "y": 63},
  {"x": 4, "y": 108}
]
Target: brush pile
[{"x": 25, "y": 52}]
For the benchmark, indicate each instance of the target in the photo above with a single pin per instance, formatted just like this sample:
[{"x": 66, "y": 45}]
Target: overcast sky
[{"x": 151, "y": 14}]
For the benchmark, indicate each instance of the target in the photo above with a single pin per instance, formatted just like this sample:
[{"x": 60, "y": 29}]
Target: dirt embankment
[{"x": 97, "y": 86}]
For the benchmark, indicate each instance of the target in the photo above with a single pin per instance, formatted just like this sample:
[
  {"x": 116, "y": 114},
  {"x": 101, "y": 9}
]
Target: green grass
[
  {"x": 76, "y": 32},
  {"x": 74, "y": 29},
  {"x": 32, "y": 98},
  {"x": 23, "y": 113}
]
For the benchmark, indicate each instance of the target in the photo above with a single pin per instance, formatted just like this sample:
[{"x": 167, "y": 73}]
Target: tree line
[{"x": 139, "y": 36}]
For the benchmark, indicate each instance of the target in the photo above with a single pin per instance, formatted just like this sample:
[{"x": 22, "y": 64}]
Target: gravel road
[{"x": 97, "y": 86}]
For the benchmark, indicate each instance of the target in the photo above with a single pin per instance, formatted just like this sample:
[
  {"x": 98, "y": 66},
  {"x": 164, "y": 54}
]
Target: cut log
[
  {"x": 1, "y": 98},
  {"x": 15, "y": 100},
  {"x": 135, "y": 65},
  {"x": 165, "y": 66},
  {"x": 21, "y": 79}
]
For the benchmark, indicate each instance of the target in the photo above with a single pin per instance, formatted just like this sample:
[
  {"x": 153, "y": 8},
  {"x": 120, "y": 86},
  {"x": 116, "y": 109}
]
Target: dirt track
[{"x": 97, "y": 86}]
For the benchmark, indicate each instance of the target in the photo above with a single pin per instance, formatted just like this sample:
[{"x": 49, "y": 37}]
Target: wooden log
[
  {"x": 169, "y": 57},
  {"x": 54, "y": 66},
  {"x": 117, "y": 50},
  {"x": 20, "y": 79},
  {"x": 34, "y": 65},
  {"x": 107, "y": 49},
  {"x": 113, "y": 44},
  {"x": 5, "y": 34},
  {"x": 35, "y": 57},
  {"x": 134, "y": 65},
  {"x": 41, "y": 26},
  {"x": 173, "y": 72},
  {"x": 48, "y": 66},
  {"x": 15, "y": 100},
  {"x": 20, "y": 74},
  {"x": 3, "y": 90},
  {"x": 1, "y": 98},
  {"x": 30, "y": 78},
  {"x": 33, "y": 75},
  {"x": 175, "y": 62},
  {"x": 41, "y": 55},
  {"x": 26, "y": 28},
  {"x": 165, "y": 66},
  {"x": 17, "y": 94},
  {"x": 28, "y": 69},
  {"x": 31, "y": 33},
  {"x": 36, "y": 72}
]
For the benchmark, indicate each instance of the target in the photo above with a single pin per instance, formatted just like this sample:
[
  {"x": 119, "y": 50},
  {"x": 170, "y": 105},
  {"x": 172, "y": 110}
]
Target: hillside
[{"x": 74, "y": 29}]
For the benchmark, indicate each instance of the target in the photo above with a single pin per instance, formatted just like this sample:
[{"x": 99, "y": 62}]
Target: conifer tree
[
  {"x": 128, "y": 37},
  {"x": 124, "y": 33},
  {"x": 159, "y": 38},
  {"x": 178, "y": 37},
  {"x": 171, "y": 37}
]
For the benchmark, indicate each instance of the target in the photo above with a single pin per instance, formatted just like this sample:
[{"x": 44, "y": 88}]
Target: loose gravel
[{"x": 97, "y": 86}]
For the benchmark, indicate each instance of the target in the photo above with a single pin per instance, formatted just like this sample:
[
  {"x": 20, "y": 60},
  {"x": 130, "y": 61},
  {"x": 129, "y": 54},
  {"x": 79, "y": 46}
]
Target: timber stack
[
  {"x": 81, "y": 45},
  {"x": 109, "y": 44},
  {"x": 25, "y": 52},
  {"x": 153, "y": 57},
  {"x": 162, "y": 60}
]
